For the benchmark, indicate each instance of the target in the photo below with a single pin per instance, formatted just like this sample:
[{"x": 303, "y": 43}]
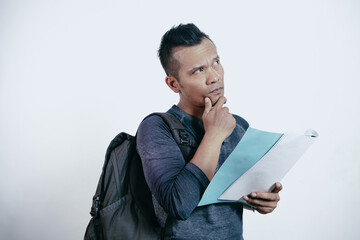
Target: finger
[
  {"x": 265, "y": 196},
  {"x": 207, "y": 106},
  {"x": 219, "y": 104},
  {"x": 262, "y": 203},
  {"x": 278, "y": 188},
  {"x": 264, "y": 210},
  {"x": 263, "y": 207}
]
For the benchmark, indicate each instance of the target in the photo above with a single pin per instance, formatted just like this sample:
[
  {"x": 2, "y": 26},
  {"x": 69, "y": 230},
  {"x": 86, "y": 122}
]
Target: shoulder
[
  {"x": 154, "y": 139},
  {"x": 153, "y": 128},
  {"x": 153, "y": 121},
  {"x": 241, "y": 122},
  {"x": 241, "y": 126}
]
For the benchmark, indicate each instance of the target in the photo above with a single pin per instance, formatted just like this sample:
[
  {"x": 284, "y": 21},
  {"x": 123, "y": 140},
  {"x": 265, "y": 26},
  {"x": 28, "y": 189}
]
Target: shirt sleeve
[{"x": 176, "y": 185}]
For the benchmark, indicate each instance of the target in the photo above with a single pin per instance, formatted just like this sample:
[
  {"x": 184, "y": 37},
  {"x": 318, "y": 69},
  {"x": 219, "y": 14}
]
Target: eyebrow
[{"x": 202, "y": 66}]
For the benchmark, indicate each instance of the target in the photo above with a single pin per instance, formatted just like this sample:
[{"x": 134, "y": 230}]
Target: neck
[{"x": 195, "y": 112}]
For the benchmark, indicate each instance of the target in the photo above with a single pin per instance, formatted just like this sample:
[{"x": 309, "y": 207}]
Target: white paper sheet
[{"x": 272, "y": 167}]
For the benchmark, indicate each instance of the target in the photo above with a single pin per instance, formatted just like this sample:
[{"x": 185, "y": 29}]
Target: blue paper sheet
[{"x": 252, "y": 147}]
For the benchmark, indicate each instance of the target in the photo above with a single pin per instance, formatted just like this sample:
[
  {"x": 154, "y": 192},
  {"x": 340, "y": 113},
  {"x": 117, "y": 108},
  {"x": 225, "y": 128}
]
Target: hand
[
  {"x": 264, "y": 202},
  {"x": 217, "y": 120}
]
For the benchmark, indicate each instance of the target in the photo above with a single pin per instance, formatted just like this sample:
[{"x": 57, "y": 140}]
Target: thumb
[
  {"x": 207, "y": 106},
  {"x": 277, "y": 188}
]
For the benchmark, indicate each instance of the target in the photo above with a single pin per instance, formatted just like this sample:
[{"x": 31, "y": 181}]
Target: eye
[
  {"x": 217, "y": 62},
  {"x": 200, "y": 69}
]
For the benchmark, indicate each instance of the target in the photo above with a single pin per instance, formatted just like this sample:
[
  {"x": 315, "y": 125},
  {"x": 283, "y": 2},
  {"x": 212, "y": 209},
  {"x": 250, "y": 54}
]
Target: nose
[{"x": 213, "y": 76}]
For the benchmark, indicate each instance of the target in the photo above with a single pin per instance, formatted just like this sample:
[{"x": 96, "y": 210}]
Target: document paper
[{"x": 258, "y": 161}]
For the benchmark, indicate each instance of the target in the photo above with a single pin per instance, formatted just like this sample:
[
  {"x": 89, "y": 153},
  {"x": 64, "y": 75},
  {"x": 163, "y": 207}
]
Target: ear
[{"x": 173, "y": 84}]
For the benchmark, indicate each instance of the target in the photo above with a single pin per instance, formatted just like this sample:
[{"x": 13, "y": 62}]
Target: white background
[{"x": 73, "y": 74}]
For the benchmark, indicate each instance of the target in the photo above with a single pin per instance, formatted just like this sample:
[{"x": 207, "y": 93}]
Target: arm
[
  {"x": 177, "y": 185},
  {"x": 218, "y": 125}
]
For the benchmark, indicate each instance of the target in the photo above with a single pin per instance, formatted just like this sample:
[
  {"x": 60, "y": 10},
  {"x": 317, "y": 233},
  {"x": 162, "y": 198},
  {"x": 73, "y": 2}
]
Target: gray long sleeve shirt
[{"x": 177, "y": 184}]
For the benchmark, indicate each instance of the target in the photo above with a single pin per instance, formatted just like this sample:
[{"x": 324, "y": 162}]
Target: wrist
[{"x": 213, "y": 138}]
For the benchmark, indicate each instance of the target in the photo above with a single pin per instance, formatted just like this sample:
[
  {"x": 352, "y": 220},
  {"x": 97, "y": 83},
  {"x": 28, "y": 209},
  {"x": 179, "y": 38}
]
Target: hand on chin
[{"x": 214, "y": 99}]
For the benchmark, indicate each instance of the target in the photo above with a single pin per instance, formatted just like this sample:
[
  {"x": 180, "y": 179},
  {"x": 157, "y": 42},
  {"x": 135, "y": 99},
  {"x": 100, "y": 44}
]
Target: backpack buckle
[
  {"x": 184, "y": 137},
  {"x": 95, "y": 209}
]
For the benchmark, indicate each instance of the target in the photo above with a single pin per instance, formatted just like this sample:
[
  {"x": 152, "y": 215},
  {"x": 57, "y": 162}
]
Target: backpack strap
[{"x": 180, "y": 135}]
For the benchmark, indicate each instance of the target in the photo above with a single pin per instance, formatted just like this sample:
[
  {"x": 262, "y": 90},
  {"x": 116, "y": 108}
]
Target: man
[{"x": 194, "y": 71}]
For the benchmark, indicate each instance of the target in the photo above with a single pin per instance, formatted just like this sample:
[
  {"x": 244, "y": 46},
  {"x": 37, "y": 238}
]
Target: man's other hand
[{"x": 264, "y": 202}]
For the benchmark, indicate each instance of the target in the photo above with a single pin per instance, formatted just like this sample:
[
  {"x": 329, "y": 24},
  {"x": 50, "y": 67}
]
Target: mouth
[{"x": 217, "y": 91}]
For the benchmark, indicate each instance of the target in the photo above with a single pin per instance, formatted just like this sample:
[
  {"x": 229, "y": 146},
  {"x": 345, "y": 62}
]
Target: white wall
[{"x": 75, "y": 73}]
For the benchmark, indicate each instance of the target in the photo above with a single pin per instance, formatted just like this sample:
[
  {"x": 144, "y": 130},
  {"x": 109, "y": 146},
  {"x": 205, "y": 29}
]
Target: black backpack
[{"x": 122, "y": 205}]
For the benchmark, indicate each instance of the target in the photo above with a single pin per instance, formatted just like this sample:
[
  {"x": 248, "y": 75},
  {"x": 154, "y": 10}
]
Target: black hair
[{"x": 181, "y": 35}]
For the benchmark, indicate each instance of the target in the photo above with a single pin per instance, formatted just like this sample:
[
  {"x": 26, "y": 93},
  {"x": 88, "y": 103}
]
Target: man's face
[{"x": 200, "y": 74}]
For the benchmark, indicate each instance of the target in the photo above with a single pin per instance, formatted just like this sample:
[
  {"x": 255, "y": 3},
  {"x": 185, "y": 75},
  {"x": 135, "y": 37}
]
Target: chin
[{"x": 214, "y": 99}]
